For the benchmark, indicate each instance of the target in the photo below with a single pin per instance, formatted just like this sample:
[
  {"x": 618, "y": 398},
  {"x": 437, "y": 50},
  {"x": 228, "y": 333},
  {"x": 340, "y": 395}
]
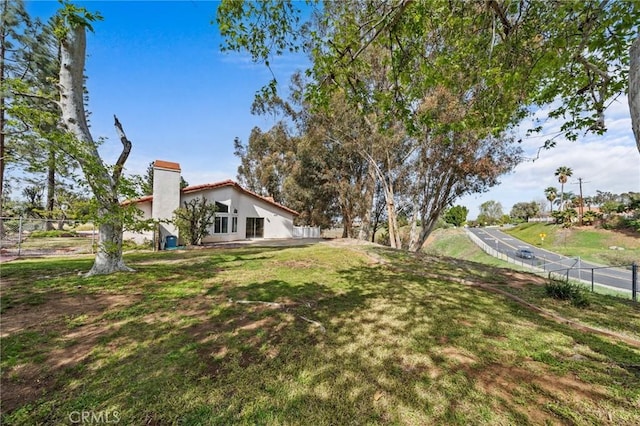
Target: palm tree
[
  {"x": 551, "y": 193},
  {"x": 588, "y": 201},
  {"x": 563, "y": 173}
]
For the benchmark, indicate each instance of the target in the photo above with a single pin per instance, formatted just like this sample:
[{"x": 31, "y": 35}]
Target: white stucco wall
[
  {"x": 225, "y": 195},
  {"x": 166, "y": 198},
  {"x": 141, "y": 237},
  {"x": 278, "y": 223}
]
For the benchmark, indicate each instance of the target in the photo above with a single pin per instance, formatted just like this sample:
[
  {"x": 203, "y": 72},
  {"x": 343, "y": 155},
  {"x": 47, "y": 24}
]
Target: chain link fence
[{"x": 41, "y": 237}]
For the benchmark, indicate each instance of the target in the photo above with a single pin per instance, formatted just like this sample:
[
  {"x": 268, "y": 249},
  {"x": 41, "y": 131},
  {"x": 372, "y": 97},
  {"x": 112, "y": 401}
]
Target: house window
[
  {"x": 221, "y": 222},
  {"x": 221, "y": 225}
]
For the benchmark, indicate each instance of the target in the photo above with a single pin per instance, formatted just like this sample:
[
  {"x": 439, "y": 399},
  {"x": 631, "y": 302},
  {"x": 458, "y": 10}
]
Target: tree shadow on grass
[{"x": 400, "y": 347}]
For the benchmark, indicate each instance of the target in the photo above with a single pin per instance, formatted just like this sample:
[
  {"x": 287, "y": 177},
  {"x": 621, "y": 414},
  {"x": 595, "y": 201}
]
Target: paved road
[{"x": 612, "y": 277}]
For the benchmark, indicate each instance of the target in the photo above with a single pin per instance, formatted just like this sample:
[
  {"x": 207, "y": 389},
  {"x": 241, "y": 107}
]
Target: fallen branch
[
  {"x": 282, "y": 306},
  {"x": 316, "y": 323},
  {"x": 259, "y": 302}
]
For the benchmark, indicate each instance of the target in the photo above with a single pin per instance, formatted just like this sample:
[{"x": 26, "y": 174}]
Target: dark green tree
[
  {"x": 266, "y": 161},
  {"x": 524, "y": 211},
  {"x": 456, "y": 215}
]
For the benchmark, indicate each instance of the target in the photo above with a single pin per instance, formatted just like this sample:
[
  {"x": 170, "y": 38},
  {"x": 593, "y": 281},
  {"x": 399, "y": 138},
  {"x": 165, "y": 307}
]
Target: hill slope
[
  {"x": 597, "y": 245},
  {"x": 323, "y": 334}
]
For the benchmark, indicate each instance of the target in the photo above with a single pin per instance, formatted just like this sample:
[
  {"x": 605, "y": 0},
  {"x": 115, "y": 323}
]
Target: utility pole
[{"x": 581, "y": 199}]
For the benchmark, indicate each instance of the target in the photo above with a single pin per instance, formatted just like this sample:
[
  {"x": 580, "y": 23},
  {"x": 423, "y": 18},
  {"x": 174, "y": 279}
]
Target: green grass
[
  {"x": 588, "y": 243},
  {"x": 405, "y": 342},
  {"x": 454, "y": 243}
]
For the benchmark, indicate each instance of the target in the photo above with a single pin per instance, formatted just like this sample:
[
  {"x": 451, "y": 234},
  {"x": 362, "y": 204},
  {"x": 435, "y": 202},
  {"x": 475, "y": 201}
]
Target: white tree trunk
[
  {"x": 392, "y": 217},
  {"x": 634, "y": 89},
  {"x": 427, "y": 227},
  {"x": 414, "y": 235},
  {"x": 109, "y": 255},
  {"x": 84, "y": 150},
  {"x": 370, "y": 189}
]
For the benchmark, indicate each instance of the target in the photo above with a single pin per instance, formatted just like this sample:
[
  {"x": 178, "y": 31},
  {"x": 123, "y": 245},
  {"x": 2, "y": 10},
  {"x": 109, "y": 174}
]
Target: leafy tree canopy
[
  {"x": 534, "y": 52},
  {"x": 456, "y": 215},
  {"x": 524, "y": 211}
]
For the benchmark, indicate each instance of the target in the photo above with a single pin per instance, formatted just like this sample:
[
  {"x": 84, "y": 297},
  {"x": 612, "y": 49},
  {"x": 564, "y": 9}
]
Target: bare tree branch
[
  {"x": 506, "y": 25},
  {"x": 126, "y": 149}
]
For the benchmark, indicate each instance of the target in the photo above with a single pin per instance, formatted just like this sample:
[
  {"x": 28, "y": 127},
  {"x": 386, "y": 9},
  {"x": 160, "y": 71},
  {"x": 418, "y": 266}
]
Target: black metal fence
[
  {"x": 592, "y": 273},
  {"x": 619, "y": 281}
]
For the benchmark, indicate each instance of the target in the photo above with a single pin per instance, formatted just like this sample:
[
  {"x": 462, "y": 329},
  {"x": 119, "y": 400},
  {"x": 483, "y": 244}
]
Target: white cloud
[{"x": 610, "y": 162}]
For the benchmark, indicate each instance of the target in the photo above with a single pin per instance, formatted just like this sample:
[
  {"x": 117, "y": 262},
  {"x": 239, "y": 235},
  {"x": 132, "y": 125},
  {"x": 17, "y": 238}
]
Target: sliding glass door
[{"x": 255, "y": 227}]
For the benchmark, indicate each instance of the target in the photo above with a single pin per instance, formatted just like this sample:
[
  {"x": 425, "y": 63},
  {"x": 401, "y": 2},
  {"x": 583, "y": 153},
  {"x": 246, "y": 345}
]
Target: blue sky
[{"x": 157, "y": 65}]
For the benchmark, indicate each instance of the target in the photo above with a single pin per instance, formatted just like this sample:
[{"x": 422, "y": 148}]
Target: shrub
[
  {"x": 563, "y": 290},
  {"x": 55, "y": 233},
  {"x": 195, "y": 219}
]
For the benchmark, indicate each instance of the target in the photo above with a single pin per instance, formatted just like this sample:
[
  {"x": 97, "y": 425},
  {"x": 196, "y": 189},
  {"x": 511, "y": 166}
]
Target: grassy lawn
[
  {"x": 454, "y": 242},
  {"x": 354, "y": 334},
  {"x": 587, "y": 242}
]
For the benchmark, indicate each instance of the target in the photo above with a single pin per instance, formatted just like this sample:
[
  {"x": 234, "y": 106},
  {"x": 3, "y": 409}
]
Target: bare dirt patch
[
  {"x": 507, "y": 382},
  {"x": 25, "y": 383},
  {"x": 521, "y": 280},
  {"x": 56, "y": 308},
  {"x": 28, "y": 382}
]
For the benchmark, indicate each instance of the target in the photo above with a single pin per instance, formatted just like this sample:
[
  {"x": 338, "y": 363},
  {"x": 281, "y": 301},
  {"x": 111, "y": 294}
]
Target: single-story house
[{"x": 240, "y": 214}]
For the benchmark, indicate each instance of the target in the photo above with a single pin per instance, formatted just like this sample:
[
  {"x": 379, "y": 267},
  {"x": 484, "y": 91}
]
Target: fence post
[
  {"x": 634, "y": 281},
  {"x": 19, "y": 235},
  {"x": 579, "y": 269},
  {"x": 592, "y": 280}
]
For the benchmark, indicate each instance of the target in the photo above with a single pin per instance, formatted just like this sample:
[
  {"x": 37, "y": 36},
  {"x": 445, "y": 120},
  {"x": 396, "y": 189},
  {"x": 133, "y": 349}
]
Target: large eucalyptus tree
[
  {"x": 76, "y": 139},
  {"x": 497, "y": 60}
]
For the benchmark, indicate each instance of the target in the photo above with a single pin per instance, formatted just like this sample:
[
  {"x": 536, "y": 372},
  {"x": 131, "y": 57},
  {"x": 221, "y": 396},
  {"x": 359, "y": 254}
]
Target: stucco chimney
[{"x": 166, "y": 194}]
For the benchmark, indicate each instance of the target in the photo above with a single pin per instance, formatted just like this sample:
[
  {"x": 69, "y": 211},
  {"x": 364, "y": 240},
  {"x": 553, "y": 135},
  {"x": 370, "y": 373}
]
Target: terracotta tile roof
[
  {"x": 229, "y": 182},
  {"x": 166, "y": 165},
  {"x": 202, "y": 187},
  {"x": 137, "y": 200},
  {"x": 197, "y": 188}
]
